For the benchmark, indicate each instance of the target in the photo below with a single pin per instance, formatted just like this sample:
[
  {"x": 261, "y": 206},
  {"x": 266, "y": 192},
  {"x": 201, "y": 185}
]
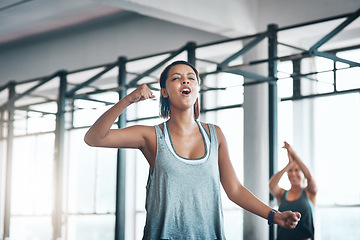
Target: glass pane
[
  {"x": 87, "y": 117},
  {"x": 285, "y": 87},
  {"x": 91, "y": 227},
  {"x": 337, "y": 223},
  {"x": 92, "y": 176},
  {"x": 337, "y": 152},
  {"x": 233, "y": 223},
  {"x": 223, "y": 89},
  {"x": 323, "y": 64},
  {"x": 325, "y": 82},
  {"x": 285, "y": 133},
  {"x": 352, "y": 55},
  {"x": 44, "y": 173},
  {"x": 348, "y": 78},
  {"x": 139, "y": 226},
  {"x": 41, "y": 124},
  {"x": 39, "y": 227},
  {"x": 32, "y": 175},
  {"x": 82, "y": 175},
  {"x": 106, "y": 180}
]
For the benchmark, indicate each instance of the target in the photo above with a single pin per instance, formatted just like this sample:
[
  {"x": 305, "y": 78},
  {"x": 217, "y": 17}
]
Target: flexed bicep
[{"x": 129, "y": 137}]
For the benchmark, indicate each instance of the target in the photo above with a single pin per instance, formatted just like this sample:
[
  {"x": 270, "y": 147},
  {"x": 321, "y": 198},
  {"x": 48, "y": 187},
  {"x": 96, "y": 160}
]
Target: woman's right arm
[
  {"x": 275, "y": 189},
  {"x": 100, "y": 134}
]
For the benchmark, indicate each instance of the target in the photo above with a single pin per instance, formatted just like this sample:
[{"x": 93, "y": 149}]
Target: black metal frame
[{"x": 64, "y": 95}]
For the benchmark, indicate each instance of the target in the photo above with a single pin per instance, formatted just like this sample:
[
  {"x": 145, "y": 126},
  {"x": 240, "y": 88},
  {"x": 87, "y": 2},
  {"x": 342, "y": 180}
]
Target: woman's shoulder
[
  {"x": 208, "y": 125},
  {"x": 310, "y": 195},
  {"x": 217, "y": 129}
]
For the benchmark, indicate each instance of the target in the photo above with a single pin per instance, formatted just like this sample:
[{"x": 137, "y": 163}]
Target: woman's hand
[
  {"x": 289, "y": 152},
  {"x": 287, "y": 219},
  {"x": 288, "y": 147},
  {"x": 141, "y": 93}
]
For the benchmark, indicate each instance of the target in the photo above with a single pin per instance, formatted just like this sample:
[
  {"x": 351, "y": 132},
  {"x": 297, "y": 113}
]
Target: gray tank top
[{"x": 183, "y": 197}]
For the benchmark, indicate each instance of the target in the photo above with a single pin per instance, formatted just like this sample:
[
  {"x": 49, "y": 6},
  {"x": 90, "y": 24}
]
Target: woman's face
[
  {"x": 295, "y": 175},
  {"x": 181, "y": 87}
]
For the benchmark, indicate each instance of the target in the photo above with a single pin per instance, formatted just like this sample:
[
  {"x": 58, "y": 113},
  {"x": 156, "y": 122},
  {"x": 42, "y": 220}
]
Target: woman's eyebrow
[
  {"x": 175, "y": 74},
  {"x": 190, "y": 73}
]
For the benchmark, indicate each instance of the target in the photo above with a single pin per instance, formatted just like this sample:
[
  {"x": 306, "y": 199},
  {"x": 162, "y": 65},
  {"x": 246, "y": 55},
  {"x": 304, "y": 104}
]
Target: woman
[
  {"x": 299, "y": 198},
  {"x": 188, "y": 160}
]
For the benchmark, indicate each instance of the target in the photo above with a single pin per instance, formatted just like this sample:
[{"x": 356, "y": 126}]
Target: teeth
[{"x": 186, "y": 91}]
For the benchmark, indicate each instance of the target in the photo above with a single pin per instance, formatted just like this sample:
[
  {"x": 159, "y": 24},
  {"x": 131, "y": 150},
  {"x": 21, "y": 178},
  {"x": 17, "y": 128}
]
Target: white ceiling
[{"x": 24, "y": 18}]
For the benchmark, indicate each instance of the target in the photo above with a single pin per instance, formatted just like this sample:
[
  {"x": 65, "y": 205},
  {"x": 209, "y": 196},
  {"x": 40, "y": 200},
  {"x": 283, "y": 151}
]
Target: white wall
[
  {"x": 133, "y": 36},
  {"x": 285, "y": 13}
]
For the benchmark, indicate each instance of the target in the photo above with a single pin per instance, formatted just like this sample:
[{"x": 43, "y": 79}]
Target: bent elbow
[
  {"x": 89, "y": 141},
  {"x": 271, "y": 187}
]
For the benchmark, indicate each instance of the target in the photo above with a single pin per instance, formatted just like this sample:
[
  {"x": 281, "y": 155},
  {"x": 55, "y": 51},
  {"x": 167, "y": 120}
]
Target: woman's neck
[
  {"x": 295, "y": 188},
  {"x": 182, "y": 122}
]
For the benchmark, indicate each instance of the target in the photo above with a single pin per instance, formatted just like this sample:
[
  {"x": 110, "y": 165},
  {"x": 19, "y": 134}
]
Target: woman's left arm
[
  {"x": 312, "y": 188},
  {"x": 241, "y": 195}
]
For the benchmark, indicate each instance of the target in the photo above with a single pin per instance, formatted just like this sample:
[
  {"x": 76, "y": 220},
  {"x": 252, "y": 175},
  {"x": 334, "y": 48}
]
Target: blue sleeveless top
[
  {"x": 305, "y": 227},
  {"x": 183, "y": 197}
]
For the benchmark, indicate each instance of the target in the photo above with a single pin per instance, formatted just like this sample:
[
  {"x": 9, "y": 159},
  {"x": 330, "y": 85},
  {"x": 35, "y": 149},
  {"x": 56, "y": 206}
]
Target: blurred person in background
[{"x": 300, "y": 198}]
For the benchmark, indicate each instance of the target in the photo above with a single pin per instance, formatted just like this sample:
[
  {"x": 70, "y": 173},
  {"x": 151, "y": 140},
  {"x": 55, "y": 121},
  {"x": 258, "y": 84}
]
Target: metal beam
[
  {"x": 94, "y": 100},
  {"x": 1, "y": 128},
  {"x": 27, "y": 92},
  {"x": 133, "y": 82},
  {"x": 246, "y": 74},
  {"x": 335, "y": 58},
  {"x": 317, "y": 95},
  {"x": 91, "y": 80},
  {"x": 245, "y": 49},
  {"x": 326, "y": 38},
  {"x": 9, "y": 158},
  {"x": 120, "y": 168},
  {"x": 191, "y": 53},
  {"x": 296, "y": 79},
  {"x": 273, "y": 108},
  {"x": 59, "y": 157}
]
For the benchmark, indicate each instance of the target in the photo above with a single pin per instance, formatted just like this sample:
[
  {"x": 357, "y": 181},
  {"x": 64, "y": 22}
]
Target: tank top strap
[
  {"x": 158, "y": 131},
  {"x": 204, "y": 133},
  {"x": 213, "y": 135}
]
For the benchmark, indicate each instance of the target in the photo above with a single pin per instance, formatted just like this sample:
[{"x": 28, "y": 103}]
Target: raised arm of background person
[
  {"x": 275, "y": 189},
  {"x": 241, "y": 195},
  {"x": 311, "y": 187},
  {"x": 100, "y": 134}
]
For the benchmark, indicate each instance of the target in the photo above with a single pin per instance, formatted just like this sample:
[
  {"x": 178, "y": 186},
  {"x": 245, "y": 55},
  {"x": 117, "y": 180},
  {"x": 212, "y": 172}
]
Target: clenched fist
[{"x": 143, "y": 92}]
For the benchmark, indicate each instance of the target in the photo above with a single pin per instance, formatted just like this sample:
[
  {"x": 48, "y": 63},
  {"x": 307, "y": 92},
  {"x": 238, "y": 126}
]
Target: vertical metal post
[
  {"x": 1, "y": 123},
  {"x": 191, "y": 47},
  {"x": 273, "y": 106},
  {"x": 2, "y": 151},
  {"x": 120, "y": 170},
  {"x": 191, "y": 55},
  {"x": 334, "y": 75},
  {"x": 59, "y": 156},
  {"x": 9, "y": 159},
  {"x": 2, "y": 140},
  {"x": 296, "y": 78}
]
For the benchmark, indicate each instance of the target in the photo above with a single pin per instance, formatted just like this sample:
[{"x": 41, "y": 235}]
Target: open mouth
[{"x": 186, "y": 91}]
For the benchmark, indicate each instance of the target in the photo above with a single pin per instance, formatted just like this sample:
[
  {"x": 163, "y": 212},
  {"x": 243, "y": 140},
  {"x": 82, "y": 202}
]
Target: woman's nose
[{"x": 186, "y": 82}]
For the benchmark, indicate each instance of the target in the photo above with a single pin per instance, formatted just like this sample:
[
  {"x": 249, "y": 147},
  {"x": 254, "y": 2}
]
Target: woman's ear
[{"x": 164, "y": 93}]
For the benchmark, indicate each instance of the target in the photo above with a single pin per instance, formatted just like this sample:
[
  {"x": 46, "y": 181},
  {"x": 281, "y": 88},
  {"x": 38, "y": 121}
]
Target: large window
[
  {"x": 326, "y": 129},
  {"x": 31, "y": 199}
]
